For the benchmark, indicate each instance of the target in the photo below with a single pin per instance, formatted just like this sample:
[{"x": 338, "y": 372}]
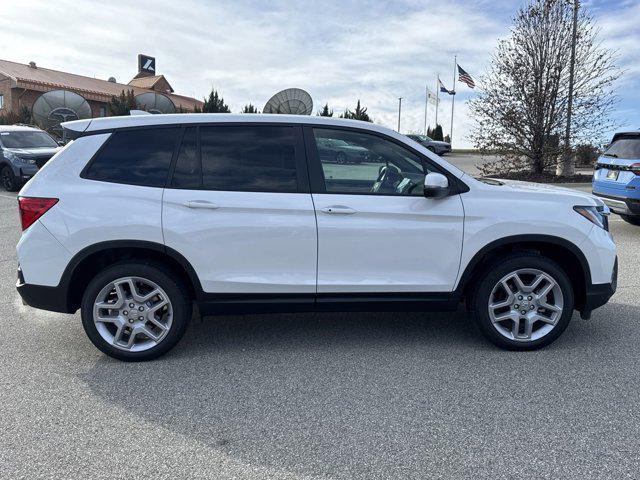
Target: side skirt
[{"x": 216, "y": 304}]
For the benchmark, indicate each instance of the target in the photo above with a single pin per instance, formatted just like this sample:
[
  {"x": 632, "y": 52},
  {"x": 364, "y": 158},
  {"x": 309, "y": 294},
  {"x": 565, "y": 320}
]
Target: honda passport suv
[
  {"x": 617, "y": 176},
  {"x": 139, "y": 218}
]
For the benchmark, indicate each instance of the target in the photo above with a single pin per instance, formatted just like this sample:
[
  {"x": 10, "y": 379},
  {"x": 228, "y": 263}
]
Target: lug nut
[
  {"x": 532, "y": 307},
  {"x": 125, "y": 312},
  {"x": 131, "y": 305},
  {"x": 530, "y": 298},
  {"x": 524, "y": 312},
  {"x": 130, "y": 321},
  {"x": 141, "y": 308},
  {"x": 519, "y": 297},
  {"x": 516, "y": 306},
  {"x": 139, "y": 318}
]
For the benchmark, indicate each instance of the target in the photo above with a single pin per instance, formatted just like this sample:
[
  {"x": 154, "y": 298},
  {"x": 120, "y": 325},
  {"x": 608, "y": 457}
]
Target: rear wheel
[
  {"x": 523, "y": 302},
  {"x": 341, "y": 159},
  {"x": 631, "y": 220},
  {"x": 135, "y": 311},
  {"x": 9, "y": 180}
]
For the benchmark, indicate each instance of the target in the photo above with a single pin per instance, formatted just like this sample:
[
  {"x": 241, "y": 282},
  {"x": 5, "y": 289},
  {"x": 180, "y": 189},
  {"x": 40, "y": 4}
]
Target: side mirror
[
  {"x": 61, "y": 143},
  {"x": 436, "y": 185}
]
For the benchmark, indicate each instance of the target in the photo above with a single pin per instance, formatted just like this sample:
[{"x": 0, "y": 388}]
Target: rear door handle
[
  {"x": 200, "y": 204},
  {"x": 338, "y": 210}
]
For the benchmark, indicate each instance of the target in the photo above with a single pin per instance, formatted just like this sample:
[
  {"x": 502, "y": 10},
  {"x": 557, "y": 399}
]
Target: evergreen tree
[
  {"x": 447, "y": 138},
  {"x": 325, "y": 112},
  {"x": 437, "y": 133},
  {"x": 122, "y": 104},
  {"x": 215, "y": 104},
  {"x": 429, "y": 132},
  {"x": 250, "y": 108},
  {"x": 359, "y": 113}
]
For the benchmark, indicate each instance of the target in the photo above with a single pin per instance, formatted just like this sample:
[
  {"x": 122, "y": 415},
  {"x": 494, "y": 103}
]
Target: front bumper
[{"x": 599, "y": 294}]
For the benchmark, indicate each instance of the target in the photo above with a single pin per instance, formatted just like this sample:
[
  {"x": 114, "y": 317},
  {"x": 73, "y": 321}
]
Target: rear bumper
[
  {"x": 53, "y": 299},
  {"x": 599, "y": 294},
  {"x": 620, "y": 204}
]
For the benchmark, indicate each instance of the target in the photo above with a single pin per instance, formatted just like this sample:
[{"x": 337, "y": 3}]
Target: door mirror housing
[{"x": 436, "y": 185}]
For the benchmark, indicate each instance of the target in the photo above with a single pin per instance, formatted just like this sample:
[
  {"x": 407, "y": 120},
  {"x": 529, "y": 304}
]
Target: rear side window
[
  {"x": 626, "y": 147},
  {"x": 248, "y": 158},
  {"x": 136, "y": 157}
]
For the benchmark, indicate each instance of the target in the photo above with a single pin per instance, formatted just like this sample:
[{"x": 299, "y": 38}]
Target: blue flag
[{"x": 444, "y": 89}]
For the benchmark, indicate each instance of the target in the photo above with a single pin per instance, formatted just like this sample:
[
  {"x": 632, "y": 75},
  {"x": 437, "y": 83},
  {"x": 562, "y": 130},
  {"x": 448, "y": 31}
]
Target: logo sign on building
[{"x": 146, "y": 64}]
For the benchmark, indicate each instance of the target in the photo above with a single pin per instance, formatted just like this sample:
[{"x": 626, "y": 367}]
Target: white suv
[{"x": 140, "y": 216}]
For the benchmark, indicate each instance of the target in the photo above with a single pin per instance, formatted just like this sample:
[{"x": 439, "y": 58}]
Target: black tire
[
  {"x": 632, "y": 220},
  {"x": 175, "y": 289},
  {"x": 341, "y": 159},
  {"x": 485, "y": 283},
  {"x": 431, "y": 149},
  {"x": 9, "y": 181}
]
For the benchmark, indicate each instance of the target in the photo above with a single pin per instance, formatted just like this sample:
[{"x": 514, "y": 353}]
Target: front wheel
[
  {"x": 524, "y": 302},
  {"x": 631, "y": 220},
  {"x": 135, "y": 311},
  {"x": 9, "y": 180}
]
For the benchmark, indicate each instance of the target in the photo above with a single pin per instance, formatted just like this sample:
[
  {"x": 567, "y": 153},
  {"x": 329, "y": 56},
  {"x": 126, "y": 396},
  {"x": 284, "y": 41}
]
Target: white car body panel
[
  {"x": 390, "y": 243},
  {"x": 42, "y": 258},
  {"x": 253, "y": 242}
]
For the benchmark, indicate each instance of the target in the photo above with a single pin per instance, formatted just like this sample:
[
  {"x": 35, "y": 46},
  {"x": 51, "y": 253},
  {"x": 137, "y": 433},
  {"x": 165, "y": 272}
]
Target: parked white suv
[{"x": 140, "y": 216}]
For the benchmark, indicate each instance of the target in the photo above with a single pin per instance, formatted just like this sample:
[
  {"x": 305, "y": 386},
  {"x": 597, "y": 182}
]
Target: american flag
[{"x": 464, "y": 77}]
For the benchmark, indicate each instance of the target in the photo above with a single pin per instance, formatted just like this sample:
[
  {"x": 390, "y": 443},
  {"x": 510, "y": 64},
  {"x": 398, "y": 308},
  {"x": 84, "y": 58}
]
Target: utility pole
[
  {"x": 399, "y": 111},
  {"x": 453, "y": 101},
  {"x": 566, "y": 165},
  {"x": 437, "y": 97},
  {"x": 426, "y": 105}
]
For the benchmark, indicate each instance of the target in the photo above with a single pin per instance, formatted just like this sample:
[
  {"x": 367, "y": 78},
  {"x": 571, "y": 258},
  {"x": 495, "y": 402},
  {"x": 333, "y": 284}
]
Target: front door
[{"x": 376, "y": 231}]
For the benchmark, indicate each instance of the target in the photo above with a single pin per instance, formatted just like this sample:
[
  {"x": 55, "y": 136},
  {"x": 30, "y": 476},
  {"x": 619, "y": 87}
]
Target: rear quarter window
[
  {"x": 625, "y": 147},
  {"x": 135, "y": 157}
]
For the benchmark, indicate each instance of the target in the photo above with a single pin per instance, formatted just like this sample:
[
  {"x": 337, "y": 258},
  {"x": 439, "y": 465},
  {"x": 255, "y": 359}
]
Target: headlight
[
  {"x": 598, "y": 215},
  {"x": 15, "y": 158}
]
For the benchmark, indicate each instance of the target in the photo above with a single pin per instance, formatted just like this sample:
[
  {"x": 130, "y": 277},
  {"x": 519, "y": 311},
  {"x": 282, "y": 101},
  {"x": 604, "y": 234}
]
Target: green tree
[
  {"x": 436, "y": 134},
  {"x": 250, "y": 108},
  {"x": 215, "y": 104},
  {"x": 122, "y": 104},
  {"x": 447, "y": 138},
  {"x": 325, "y": 112},
  {"x": 22, "y": 116},
  {"x": 360, "y": 113}
]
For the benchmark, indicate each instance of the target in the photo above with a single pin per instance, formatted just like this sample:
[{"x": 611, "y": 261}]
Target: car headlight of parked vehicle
[
  {"x": 598, "y": 215},
  {"x": 16, "y": 158}
]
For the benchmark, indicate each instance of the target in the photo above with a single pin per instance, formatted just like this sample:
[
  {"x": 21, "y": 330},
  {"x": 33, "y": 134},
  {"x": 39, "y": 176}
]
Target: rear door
[
  {"x": 377, "y": 233},
  {"x": 238, "y": 208}
]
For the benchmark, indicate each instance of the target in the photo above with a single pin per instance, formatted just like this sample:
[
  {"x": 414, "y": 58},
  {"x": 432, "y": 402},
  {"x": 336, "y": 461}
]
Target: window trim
[
  {"x": 316, "y": 173},
  {"x": 302, "y": 176},
  {"x": 84, "y": 173}
]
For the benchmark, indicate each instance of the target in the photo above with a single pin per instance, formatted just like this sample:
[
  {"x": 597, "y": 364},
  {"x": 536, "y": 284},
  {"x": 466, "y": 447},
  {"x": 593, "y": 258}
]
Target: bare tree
[{"x": 522, "y": 109}]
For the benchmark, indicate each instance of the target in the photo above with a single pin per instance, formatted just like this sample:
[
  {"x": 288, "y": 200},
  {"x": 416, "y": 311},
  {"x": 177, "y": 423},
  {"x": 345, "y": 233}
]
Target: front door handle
[
  {"x": 200, "y": 204},
  {"x": 338, "y": 210}
]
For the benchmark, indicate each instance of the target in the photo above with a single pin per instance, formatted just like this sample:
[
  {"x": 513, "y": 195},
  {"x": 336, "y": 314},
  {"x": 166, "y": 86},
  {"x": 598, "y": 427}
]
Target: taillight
[
  {"x": 635, "y": 168},
  {"x": 32, "y": 208}
]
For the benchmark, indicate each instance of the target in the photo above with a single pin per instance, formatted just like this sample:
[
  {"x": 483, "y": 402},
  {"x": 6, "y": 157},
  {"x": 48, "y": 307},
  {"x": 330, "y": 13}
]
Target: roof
[
  {"x": 17, "y": 128},
  {"x": 150, "y": 82},
  {"x": 77, "y": 128},
  {"x": 45, "y": 79}
]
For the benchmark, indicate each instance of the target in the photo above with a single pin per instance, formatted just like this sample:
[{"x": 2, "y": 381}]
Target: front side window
[
  {"x": 137, "y": 157},
  {"x": 248, "y": 158},
  {"x": 1, "y": 100},
  {"x": 359, "y": 162}
]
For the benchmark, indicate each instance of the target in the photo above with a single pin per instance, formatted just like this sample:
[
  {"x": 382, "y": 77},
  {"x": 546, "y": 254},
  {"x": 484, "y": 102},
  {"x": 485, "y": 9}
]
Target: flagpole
[
  {"x": 437, "y": 96},
  {"x": 426, "y": 104},
  {"x": 399, "y": 111},
  {"x": 453, "y": 102}
]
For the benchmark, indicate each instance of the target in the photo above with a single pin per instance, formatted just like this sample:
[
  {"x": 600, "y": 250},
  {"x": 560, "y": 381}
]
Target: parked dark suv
[
  {"x": 23, "y": 150},
  {"x": 437, "y": 147}
]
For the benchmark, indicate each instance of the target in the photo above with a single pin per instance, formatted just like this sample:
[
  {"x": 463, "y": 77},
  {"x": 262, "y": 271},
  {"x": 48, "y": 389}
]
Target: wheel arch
[
  {"x": 89, "y": 261},
  {"x": 563, "y": 252}
]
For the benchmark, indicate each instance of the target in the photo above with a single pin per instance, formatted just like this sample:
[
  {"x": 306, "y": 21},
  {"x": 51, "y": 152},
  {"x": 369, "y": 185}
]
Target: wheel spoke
[
  {"x": 544, "y": 319},
  {"x": 546, "y": 290},
  {"x": 519, "y": 283},
  {"x": 502, "y": 304},
  {"x": 505, "y": 316},
  {"x": 536, "y": 283},
  {"x": 548, "y": 306}
]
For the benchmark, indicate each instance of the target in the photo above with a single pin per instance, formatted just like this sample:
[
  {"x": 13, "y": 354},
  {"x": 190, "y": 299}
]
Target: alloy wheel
[
  {"x": 526, "y": 305},
  {"x": 132, "y": 314}
]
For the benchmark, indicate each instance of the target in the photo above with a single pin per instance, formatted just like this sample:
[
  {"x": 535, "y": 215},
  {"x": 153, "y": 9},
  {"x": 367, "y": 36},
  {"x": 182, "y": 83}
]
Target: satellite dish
[
  {"x": 294, "y": 101},
  {"x": 52, "y": 108},
  {"x": 154, "y": 102}
]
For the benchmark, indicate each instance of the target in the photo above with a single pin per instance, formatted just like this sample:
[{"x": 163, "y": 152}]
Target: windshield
[
  {"x": 27, "y": 139},
  {"x": 627, "y": 148},
  {"x": 422, "y": 138}
]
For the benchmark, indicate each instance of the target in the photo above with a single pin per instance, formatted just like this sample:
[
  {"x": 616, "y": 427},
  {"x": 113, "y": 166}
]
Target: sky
[{"x": 337, "y": 50}]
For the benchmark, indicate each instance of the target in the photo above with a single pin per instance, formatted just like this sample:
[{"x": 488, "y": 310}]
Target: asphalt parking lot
[{"x": 339, "y": 396}]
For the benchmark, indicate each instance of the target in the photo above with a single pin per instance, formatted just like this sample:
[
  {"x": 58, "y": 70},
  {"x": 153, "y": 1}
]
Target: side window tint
[
  {"x": 188, "y": 171},
  {"x": 248, "y": 158},
  {"x": 136, "y": 157},
  {"x": 359, "y": 162}
]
